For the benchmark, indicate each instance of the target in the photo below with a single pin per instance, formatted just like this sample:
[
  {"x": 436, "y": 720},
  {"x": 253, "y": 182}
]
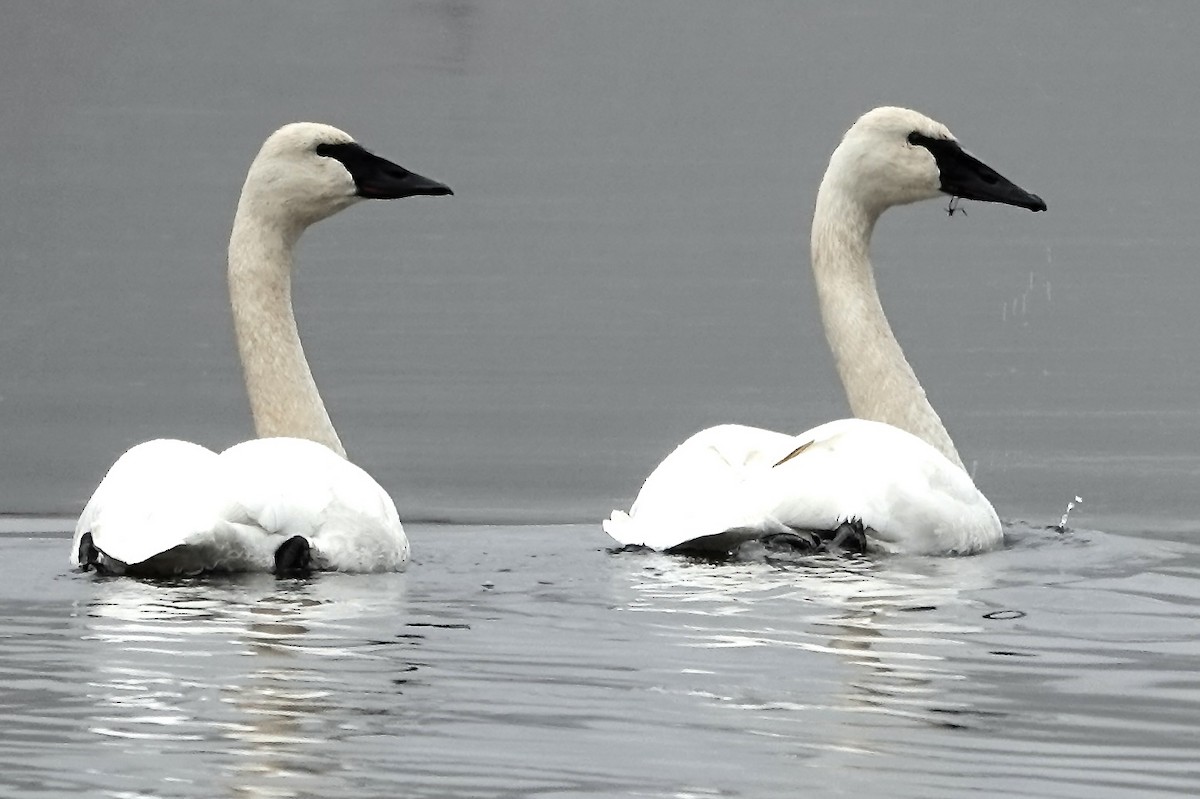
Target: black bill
[
  {"x": 964, "y": 175},
  {"x": 378, "y": 178}
]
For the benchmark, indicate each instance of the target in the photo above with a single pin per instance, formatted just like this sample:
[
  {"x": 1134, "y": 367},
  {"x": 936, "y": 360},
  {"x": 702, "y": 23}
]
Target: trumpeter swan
[
  {"x": 288, "y": 501},
  {"x": 888, "y": 480}
]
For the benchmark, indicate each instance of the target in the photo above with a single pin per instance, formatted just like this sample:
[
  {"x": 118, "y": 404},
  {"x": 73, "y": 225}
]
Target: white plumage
[
  {"x": 174, "y": 507},
  {"x": 170, "y": 507},
  {"x": 894, "y": 469},
  {"x": 729, "y": 484}
]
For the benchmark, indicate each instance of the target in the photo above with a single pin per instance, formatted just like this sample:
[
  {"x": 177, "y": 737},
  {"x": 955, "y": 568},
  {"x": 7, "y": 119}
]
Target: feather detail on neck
[{"x": 878, "y": 380}]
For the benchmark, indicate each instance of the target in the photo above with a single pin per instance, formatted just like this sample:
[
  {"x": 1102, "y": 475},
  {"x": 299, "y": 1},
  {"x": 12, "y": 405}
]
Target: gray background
[{"x": 625, "y": 261}]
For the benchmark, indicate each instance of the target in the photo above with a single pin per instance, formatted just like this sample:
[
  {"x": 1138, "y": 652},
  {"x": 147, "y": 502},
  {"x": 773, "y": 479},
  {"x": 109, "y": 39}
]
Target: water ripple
[{"x": 524, "y": 661}]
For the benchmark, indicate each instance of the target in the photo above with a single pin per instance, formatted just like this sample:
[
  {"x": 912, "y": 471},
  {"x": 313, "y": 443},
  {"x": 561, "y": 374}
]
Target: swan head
[
  {"x": 895, "y": 156},
  {"x": 307, "y": 171}
]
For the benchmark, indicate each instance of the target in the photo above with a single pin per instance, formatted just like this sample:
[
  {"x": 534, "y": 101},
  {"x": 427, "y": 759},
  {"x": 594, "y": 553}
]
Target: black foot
[
  {"x": 88, "y": 556},
  {"x": 850, "y": 536},
  {"x": 629, "y": 548},
  {"x": 293, "y": 558},
  {"x": 91, "y": 556},
  {"x": 800, "y": 542}
]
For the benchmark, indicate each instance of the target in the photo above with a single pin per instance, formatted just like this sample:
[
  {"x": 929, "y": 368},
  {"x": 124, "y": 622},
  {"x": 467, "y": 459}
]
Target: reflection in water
[
  {"x": 1035, "y": 660},
  {"x": 889, "y": 623},
  {"x": 260, "y": 664},
  {"x": 531, "y": 661}
]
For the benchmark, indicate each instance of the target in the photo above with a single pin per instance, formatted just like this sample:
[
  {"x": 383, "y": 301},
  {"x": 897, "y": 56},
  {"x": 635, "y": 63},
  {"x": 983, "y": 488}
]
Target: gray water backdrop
[{"x": 624, "y": 262}]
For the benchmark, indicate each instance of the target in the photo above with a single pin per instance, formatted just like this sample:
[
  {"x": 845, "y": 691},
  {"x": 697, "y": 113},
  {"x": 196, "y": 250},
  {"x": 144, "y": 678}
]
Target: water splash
[{"x": 1062, "y": 523}]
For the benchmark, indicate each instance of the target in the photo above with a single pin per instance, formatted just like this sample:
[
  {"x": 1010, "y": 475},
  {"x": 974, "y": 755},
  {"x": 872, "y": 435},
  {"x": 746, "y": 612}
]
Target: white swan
[
  {"x": 891, "y": 479},
  {"x": 288, "y": 501}
]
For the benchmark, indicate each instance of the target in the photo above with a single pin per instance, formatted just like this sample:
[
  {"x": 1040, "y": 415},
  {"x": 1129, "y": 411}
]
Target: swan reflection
[
  {"x": 257, "y": 668},
  {"x": 824, "y": 634}
]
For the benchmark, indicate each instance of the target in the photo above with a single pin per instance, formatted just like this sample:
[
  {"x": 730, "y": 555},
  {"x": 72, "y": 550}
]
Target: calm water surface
[
  {"x": 531, "y": 661},
  {"x": 624, "y": 263}
]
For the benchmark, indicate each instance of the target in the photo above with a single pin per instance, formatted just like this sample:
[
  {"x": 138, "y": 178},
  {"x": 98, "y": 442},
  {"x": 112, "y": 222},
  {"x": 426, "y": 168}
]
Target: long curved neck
[
  {"x": 878, "y": 380},
  {"x": 283, "y": 395}
]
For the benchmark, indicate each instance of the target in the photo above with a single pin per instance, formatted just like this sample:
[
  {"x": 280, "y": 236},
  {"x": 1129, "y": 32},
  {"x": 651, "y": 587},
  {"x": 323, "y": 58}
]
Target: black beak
[
  {"x": 377, "y": 178},
  {"x": 964, "y": 175}
]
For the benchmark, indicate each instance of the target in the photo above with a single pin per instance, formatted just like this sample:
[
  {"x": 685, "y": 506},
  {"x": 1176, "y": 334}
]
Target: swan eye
[
  {"x": 325, "y": 149},
  {"x": 914, "y": 138}
]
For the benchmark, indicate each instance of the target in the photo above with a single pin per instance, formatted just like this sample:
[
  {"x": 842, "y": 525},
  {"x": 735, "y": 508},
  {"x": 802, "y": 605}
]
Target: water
[
  {"x": 624, "y": 263},
  {"x": 530, "y": 661}
]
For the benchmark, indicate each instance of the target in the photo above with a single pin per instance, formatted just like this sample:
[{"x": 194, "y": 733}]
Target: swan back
[
  {"x": 170, "y": 507},
  {"x": 729, "y": 484}
]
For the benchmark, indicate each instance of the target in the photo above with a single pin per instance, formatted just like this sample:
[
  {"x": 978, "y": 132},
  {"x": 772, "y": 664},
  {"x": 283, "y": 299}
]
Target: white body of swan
[
  {"x": 893, "y": 468},
  {"x": 288, "y": 501}
]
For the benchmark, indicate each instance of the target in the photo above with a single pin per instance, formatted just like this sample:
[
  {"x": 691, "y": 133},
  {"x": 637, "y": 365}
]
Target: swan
[
  {"x": 287, "y": 501},
  {"x": 889, "y": 480}
]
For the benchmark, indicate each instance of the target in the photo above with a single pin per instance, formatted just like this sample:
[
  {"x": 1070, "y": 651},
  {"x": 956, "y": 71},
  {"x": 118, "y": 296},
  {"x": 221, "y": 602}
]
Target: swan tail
[{"x": 622, "y": 529}]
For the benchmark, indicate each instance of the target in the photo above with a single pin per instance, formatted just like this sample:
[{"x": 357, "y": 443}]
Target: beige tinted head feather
[
  {"x": 877, "y": 167},
  {"x": 290, "y": 184}
]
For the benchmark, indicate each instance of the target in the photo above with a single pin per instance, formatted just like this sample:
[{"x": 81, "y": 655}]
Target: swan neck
[
  {"x": 283, "y": 395},
  {"x": 878, "y": 380}
]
